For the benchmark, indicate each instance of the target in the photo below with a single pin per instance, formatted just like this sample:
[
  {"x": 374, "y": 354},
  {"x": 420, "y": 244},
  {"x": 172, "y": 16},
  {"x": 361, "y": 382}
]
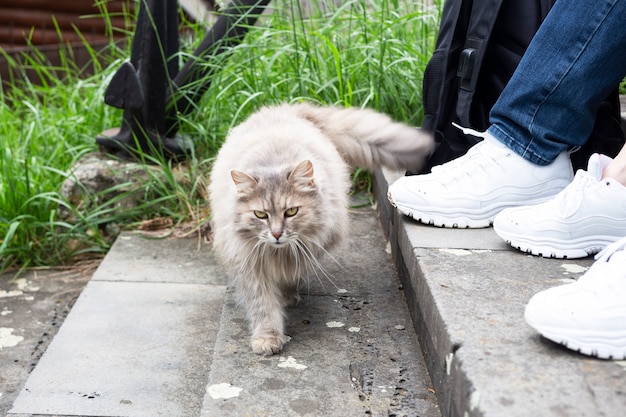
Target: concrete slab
[
  {"x": 423, "y": 236},
  {"x": 351, "y": 353},
  {"x": 362, "y": 266},
  {"x": 32, "y": 308},
  {"x": 131, "y": 348},
  {"x": 137, "y": 258},
  {"x": 364, "y": 366},
  {"x": 467, "y": 294}
]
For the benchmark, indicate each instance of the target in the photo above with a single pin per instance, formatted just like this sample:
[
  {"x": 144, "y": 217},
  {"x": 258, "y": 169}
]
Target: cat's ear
[
  {"x": 302, "y": 174},
  {"x": 243, "y": 181}
]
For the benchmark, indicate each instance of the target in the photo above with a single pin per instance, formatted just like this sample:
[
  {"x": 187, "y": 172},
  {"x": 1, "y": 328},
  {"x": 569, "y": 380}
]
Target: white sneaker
[
  {"x": 589, "y": 315},
  {"x": 581, "y": 220},
  {"x": 469, "y": 191}
]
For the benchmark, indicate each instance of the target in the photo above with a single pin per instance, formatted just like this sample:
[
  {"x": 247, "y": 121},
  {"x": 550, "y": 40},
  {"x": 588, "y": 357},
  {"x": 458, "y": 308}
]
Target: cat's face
[{"x": 278, "y": 208}]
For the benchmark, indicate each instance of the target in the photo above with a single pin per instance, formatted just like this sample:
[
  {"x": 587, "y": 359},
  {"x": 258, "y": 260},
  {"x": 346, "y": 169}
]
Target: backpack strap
[
  {"x": 437, "y": 83},
  {"x": 481, "y": 23}
]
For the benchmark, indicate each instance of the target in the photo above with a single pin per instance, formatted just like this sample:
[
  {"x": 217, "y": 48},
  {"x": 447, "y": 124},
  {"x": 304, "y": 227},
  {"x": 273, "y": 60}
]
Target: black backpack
[{"x": 480, "y": 44}]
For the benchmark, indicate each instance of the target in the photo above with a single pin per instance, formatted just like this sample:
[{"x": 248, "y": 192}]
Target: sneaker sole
[
  {"x": 461, "y": 222},
  {"x": 558, "y": 249},
  {"x": 450, "y": 223},
  {"x": 603, "y": 346}
]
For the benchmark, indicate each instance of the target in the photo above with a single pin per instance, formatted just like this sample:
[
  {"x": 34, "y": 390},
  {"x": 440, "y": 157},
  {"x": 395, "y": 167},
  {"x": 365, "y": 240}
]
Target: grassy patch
[{"x": 360, "y": 53}]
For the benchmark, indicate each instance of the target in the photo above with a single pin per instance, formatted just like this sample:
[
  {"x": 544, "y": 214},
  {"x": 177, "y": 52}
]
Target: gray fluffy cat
[{"x": 280, "y": 197}]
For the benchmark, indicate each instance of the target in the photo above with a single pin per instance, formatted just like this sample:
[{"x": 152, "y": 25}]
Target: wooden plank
[
  {"x": 42, "y": 22},
  {"x": 73, "y": 6},
  {"x": 37, "y": 18}
]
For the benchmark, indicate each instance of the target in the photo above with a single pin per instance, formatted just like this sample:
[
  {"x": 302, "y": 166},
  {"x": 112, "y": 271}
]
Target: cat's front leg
[
  {"x": 291, "y": 296},
  {"x": 264, "y": 307}
]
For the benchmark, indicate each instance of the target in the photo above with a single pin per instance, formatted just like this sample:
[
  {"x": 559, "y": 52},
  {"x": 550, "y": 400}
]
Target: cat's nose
[{"x": 277, "y": 235}]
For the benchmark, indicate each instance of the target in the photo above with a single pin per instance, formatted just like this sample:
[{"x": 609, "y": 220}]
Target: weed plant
[{"x": 361, "y": 53}]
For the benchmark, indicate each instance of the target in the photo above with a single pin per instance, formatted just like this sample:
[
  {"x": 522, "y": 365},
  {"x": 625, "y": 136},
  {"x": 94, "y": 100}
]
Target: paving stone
[
  {"x": 345, "y": 358},
  {"x": 131, "y": 347},
  {"x": 32, "y": 308},
  {"x": 137, "y": 258}
]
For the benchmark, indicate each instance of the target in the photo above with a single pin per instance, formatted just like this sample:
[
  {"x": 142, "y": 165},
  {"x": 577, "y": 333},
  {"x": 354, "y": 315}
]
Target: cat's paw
[{"x": 267, "y": 344}]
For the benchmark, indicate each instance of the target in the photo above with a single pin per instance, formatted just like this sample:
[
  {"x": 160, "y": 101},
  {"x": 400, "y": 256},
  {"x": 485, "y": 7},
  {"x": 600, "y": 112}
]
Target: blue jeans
[{"x": 577, "y": 57}]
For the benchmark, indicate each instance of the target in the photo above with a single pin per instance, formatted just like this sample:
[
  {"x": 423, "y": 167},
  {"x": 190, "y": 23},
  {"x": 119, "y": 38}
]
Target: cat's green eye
[
  {"x": 260, "y": 214},
  {"x": 290, "y": 212}
]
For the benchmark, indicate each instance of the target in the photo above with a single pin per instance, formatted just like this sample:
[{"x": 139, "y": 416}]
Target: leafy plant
[{"x": 358, "y": 53}]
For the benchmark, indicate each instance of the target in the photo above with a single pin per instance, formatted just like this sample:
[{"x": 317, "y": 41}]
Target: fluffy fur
[{"x": 279, "y": 197}]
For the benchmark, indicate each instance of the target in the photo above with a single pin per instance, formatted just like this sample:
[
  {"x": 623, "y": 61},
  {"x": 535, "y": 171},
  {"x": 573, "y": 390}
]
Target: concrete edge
[{"x": 452, "y": 386}]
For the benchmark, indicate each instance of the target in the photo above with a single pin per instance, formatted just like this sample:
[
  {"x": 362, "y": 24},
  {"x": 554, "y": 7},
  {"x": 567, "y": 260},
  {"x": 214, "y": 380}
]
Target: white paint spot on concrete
[
  {"x": 621, "y": 363},
  {"x": 354, "y": 329},
  {"x": 388, "y": 247},
  {"x": 457, "y": 252},
  {"x": 290, "y": 362},
  {"x": 24, "y": 285},
  {"x": 15, "y": 293},
  {"x": 341, "y": 291},
  {"x": 5, "y": 312},
  {"x": 287, "y": 338},
  {"x": 7, "y": 338},
  {"x": 474, "y": 400},
  {"x": 29, "y": 298},
  {"x": 223, "y": 391},
  {"x": 334, "y": 324},
  {"x": 399, "y": 327},
  {"x": 449, "y": 358},
  {"x": 573, "y": 269}
]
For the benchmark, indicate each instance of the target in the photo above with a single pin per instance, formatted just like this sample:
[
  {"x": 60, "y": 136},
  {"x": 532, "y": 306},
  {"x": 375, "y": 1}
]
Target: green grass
[{"x": 361, "y": 53}]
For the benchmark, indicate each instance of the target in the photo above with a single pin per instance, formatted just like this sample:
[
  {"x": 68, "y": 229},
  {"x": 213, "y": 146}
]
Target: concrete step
[
  {"x": 138, "y": 341},
  {"x": 156, "y": 333},
  {"x": 466, "y": 291},
  {"x": 352, "y": 350}
]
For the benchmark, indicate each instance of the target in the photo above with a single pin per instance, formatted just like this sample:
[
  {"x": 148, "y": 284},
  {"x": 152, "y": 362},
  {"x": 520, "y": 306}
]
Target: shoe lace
[
  {"x": 470, "y": 131},
  {"x": 467, "y": 165},
  {"x": 459, "y": 161}
]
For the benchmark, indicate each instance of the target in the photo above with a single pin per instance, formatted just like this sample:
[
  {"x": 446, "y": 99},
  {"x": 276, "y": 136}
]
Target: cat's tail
[{"x": 368, "y": 139}]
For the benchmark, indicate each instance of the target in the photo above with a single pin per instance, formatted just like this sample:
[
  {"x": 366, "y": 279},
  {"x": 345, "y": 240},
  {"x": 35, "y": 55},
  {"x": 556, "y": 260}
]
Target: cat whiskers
[
  {"x": 312, "y": 261},
  {"x": 299, "y": 250}
]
